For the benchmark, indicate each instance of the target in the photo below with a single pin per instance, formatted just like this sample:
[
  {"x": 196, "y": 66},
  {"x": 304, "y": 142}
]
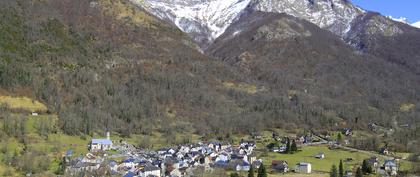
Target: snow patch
[
  {"x": 400, "y": 19},
  {"x": 236, "y": 32},
  {"x": 417, "y": 24}
]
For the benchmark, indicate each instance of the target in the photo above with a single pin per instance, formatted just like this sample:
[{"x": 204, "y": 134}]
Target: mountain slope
[
  {"x": 315, "y": 67},
  {"x": 390, "y": 40},
  {"x": 107, "y": 65}
]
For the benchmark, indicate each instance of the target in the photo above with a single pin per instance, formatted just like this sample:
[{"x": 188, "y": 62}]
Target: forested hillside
[
  {"x": 326, "y": 78},
  {"x": 107, "y": 65}
]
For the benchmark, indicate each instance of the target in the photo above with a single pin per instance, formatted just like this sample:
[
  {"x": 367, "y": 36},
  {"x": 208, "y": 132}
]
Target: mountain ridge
[{"x": 205, "y": 20}]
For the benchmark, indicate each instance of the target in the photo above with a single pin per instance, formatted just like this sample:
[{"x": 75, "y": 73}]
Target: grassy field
[
  {"x": 322, "y": 165},
  {"x": 157, "y": 140},
  {"x": 22, "y": 103},
  {"x": 307, "y": 153}
]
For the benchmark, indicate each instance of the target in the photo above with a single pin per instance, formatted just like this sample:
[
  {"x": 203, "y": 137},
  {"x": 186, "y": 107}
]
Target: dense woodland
[{"x": 111, "y": 66}]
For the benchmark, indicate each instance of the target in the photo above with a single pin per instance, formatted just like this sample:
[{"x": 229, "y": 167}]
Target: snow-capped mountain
[
  {"x": 334, "y": 15},
  {"x": 205, "y": 20},
  {"x": 417, "y": 24}
]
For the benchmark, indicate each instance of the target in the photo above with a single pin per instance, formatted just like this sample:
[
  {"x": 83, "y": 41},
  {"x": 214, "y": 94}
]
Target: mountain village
[{"x": 107, "y": 157}]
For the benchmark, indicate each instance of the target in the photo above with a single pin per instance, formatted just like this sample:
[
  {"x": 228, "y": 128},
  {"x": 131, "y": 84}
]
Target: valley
[{"x": 326, "y": 75}]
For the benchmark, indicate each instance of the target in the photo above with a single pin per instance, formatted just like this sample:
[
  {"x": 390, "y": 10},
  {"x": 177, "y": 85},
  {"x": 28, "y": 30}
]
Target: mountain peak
[
  {"x": 206, "y": 20},
  {"x": 203, "y": 20},
  {"x": 334, "y": 15}
]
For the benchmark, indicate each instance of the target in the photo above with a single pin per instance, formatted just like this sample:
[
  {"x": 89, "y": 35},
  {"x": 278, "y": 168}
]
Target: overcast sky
[{"x": 409, "y": 9}]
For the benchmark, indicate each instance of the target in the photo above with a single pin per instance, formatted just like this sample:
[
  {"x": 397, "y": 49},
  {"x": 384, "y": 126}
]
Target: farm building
[
  {"x": 320, "y": 155},
  {"x": 303, "y": 167}
]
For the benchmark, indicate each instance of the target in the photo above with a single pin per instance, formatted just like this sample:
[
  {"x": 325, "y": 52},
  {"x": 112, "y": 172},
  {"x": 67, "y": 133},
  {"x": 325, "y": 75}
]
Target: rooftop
[
  {"x": 102, "y": 141},
  {"x": 303, "y": 164}
]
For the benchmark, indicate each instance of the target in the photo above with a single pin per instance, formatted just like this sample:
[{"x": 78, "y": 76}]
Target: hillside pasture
[{"x": 24, "y": 103}]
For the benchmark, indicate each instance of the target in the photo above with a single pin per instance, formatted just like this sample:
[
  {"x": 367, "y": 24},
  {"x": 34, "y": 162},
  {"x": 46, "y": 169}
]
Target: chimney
[{"x": 108, "y": 136}]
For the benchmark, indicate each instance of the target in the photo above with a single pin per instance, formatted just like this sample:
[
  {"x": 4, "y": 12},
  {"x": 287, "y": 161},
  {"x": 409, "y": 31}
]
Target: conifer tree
[
  {"x": 262, "y": 171},
  {"x": 341, "y": 169},
  {"x": 251, "y": 172},
  {"x": 293, "y": 147},
  {"x": 333, "y": 172},
  {"x": 366, "y": 168},
  {"x": 288, "y": 148}
]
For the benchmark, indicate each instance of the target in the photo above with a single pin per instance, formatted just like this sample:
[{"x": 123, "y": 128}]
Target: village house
[
  {"x": 222, "y": 158},
  {"x": 303, "y": 167},
  {"x": 89, "y": 162},
  {"x": 129, "y": 163},
  {"x": 347, "y": 132},
  {"x": 384, "y": 151},
  {"x": 280, "y": 166},
  {"x": 256, "y": 164},
  {"x": 113, "y": 166},
  {"x": 169, "y": 151},
  {"x": 225, "y": 146},
  {"x": 373, "y": 162},
  {"x": 390, "y": 167},
  {"x": 101, "y": 144},
  {"x": 90, "y": 158},
  {"x": 150, "y": 170},
  {"x": 239, "y": 165},
  {"x": 320, "y": 155},
  {"x": 170, "y": 166},
  {"x": 217, "y": 146}
]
